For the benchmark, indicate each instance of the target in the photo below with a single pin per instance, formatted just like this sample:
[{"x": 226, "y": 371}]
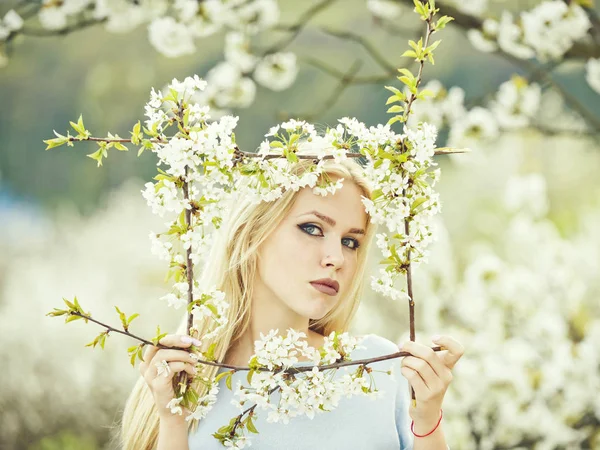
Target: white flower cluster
[
  {"x": 384, "y": 9},
  {"x": 12, "y": 21},
  {"x": 199, "y": 160},
  {"x": 173, "y": 28},
  {"x": 404, "y": 194},
  {"x": 205, "y": 403},
  {"x": 515, "y": 105},
  {"x": 274, "y": 351},
  {"x": 592, "y": 73},
  {"x": 546, "y": 32},
  {"x": 284, "y": 395}
]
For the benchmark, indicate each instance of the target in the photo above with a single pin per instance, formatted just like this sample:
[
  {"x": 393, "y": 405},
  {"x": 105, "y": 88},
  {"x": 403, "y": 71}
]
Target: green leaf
[
  {"x": 425, "y": 93},
  {"x": 228, "y": 380},
  {"x": 395, "y": 119},
  {"x": 69, "y": 304},
  {"x": 131, "y": 318},
  {"x": 249, "y": 376},
  {"x": 418, "y": 202},
  {"x": 442, "y": 22},
  {"x": 419, "y": 7},
  {"x": 210, "y": 352},
  {"x": 392, "y": 99},
  {"x": 132, "y": 359},
  {"x": 103, "y": 340},
  {"x": 406, "y": 72},
  {"x": 251, "y": 426},
  {"x": 57, "y": 312},
  {"x": 121, "y": 316},
  {"x": 82, "y": 133},
  {"x": 220, "y": 376},
  {"x": 56, "y": 142},
  {"x": 136, "y": 135},
  {"x": 395, "y": 109},
  {"x": 101, "y": 152},
  {"x": 410, "y": 54}
]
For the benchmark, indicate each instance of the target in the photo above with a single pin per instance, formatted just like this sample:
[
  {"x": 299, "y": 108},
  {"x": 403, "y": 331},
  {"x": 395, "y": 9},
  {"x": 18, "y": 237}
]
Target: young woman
[{"x": 266, "y": 259}]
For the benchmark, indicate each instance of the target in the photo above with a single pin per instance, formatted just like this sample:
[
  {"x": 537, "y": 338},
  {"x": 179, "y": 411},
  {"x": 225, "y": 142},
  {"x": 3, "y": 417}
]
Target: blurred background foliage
[{"x": 68, "y": 228}]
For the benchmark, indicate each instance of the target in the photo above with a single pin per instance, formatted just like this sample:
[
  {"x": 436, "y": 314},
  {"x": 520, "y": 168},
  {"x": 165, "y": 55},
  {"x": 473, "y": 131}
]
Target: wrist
[
  {"x": 172, "y": 420},
  {"x": 427, "y": 425}
]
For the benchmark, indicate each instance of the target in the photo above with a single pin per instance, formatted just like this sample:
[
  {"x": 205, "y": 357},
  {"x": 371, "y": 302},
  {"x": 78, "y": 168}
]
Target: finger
[
  {"x": 426, "y": 353},
  {"x": 170, "y": 340},
  {"x": 149, "y": 353},
  {"x": 415, "y": 380},
  {"x": 174, "y": 368},
  {"x": 453, "y": 350},
  {"x": 178, "y": 340},
  {"x": 422, "y": 367},
  {"x": 173, "y": 355}
]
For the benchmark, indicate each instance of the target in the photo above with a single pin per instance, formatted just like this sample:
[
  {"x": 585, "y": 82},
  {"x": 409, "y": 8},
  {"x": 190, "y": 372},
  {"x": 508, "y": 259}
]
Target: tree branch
[
  {"x": 296, "y": 28},
  {"x": 370, "y": 49},
  {"x": 344, "y": 83},
  {"x": 245, "y": 368}
]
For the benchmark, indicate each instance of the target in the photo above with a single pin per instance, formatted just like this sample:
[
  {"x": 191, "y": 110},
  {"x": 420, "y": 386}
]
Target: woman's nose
[{"x": 333, "y": 254}]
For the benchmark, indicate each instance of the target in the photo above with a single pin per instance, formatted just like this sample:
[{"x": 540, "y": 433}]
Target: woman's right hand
[{"x": 161, "y": 385}]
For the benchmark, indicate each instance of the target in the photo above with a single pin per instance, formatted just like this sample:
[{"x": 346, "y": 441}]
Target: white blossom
[
  {"x": 552, "y": 26},
  {"x": 516, "y": 103},
  {"x": 511, "y": 38},
  {"x": 237, "y": 51},
  {"x": 384, "y": 9},
  {"x": 12, "y": 21},
  {"x": 171, "y": 38},
  {"x": 485, "y": 39},
  {"x": 277, "y": 71},
  {"x": 592, "y": 73}
]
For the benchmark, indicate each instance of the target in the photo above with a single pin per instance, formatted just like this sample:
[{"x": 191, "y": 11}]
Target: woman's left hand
[{"x": 429, "y": 373}]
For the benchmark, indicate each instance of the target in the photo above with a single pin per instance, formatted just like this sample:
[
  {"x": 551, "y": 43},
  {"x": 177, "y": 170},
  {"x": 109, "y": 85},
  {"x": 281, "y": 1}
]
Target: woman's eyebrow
[{"x": 332, "y": 222}]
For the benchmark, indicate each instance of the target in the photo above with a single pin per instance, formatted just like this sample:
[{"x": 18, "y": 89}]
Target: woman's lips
[{"x": 324, "y": 288}]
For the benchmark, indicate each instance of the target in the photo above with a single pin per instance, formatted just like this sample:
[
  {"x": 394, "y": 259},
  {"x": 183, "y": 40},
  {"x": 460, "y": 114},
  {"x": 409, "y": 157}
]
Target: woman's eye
[
  {"x": 355, "y": 244},
  {"x": 308, "y": 226},
  {"x": 305, "y": 227}
]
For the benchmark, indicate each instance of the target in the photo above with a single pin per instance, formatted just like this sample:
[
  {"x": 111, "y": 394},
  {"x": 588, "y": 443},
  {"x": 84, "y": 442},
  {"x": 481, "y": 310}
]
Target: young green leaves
[
  {"x": 420, "y": 51},
  {"x": 74, "y": 312},
  {"x": 124, "y": 320}
]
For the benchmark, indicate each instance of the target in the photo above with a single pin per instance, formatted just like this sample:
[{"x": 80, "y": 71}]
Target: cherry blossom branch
[
  {"x": 235, "y": 368},
  {"x": 243, "y": 154},
  {"x": 580, "y": 50}
]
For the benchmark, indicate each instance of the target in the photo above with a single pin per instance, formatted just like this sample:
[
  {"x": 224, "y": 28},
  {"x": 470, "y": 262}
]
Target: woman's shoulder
[{"x": 375, "y": 345}]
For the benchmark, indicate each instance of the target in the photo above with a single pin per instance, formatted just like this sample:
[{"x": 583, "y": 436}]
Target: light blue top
[{"x": 358, "y": 422}]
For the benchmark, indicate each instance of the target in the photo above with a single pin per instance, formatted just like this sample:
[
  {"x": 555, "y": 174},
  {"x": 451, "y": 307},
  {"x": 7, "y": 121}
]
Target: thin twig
[
  {"x": 335, "y": 95},
  {"x": 262, "y": 369},
  {"x": 369, "y": 48},
  {"x": 296, "y": 28}
]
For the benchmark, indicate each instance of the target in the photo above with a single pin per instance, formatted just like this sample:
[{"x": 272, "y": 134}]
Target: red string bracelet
[{"x": 412, "y": 425}]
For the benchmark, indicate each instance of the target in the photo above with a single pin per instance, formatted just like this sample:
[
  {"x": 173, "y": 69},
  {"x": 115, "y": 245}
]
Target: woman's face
[{"x": 306, "y": 247}]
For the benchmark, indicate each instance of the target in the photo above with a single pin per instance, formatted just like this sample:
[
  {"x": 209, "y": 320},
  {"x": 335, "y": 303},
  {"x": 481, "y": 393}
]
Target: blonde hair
[{"x": 230, "y": 267}]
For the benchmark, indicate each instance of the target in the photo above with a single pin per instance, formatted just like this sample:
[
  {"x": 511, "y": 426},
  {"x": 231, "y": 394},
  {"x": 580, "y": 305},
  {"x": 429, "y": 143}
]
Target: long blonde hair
[{"x": 230, "y": 267}]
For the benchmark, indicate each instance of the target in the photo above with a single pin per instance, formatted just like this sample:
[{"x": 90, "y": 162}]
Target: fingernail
[
  {"x": 435, "y": 337},
  {"x": 196, "y": 342},
  {"x": 186, "y": 339}
]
